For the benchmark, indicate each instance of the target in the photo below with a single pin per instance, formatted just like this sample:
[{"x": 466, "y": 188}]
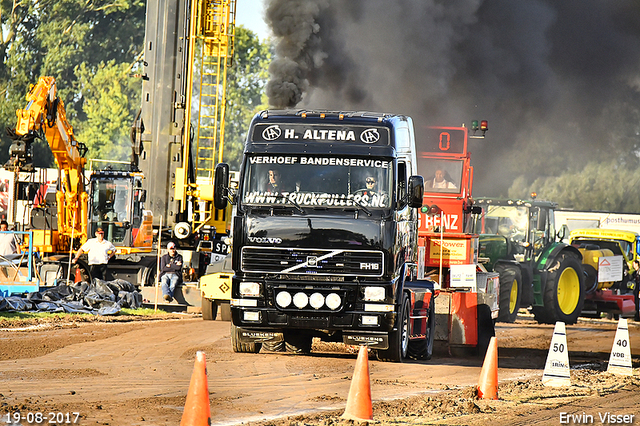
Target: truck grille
[{"x": 271, "y": 260}]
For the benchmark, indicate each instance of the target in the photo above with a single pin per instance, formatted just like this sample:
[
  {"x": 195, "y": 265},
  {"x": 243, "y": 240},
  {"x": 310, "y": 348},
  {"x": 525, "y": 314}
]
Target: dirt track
[{"x": 137, "y": 373}]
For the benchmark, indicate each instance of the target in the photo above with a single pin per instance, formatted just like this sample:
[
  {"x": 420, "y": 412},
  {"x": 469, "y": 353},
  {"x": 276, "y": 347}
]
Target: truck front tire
[
  {"x": 238, "y": 346},
  {"x": 564, "y": 292},
  {"x": 399, "y": 337},
  {"x": 510, "y": 292}
]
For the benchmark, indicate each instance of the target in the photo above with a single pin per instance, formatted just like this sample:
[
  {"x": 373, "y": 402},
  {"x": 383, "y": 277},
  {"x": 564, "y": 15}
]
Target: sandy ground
[{"x": 121, "y": 371}]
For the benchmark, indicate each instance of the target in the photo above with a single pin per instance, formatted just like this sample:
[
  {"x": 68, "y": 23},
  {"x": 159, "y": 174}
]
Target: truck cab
[{"x": 324, "y": 231}]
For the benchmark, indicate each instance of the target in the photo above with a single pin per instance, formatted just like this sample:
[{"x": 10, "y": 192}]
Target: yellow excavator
[{"x": 64, "y": 219}]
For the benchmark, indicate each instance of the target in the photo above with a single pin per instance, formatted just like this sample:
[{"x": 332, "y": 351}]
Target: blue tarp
[{"x": 98, "y": 298}]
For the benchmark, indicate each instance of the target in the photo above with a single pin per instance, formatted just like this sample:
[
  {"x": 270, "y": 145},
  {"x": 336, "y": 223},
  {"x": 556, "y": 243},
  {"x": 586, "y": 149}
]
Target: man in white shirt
[
  {"x": 7, "y": 240},
  {"x": 440, "y": 181},
  {"x": 99, "y": 251}
]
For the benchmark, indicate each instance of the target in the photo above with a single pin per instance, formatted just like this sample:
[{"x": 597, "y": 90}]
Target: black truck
[{"x": 324, "y": 235}]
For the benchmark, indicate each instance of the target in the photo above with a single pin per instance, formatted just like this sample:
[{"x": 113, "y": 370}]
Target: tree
[
  {"x": 606, "y": 186},
  {"x": 246, "y": 80},
  {"x": 55, "y": 38},
  {"x": 112, "y": 97}
]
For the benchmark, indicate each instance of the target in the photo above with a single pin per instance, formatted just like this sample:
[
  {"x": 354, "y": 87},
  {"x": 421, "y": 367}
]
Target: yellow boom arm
[{"x": 45, "y": 117}]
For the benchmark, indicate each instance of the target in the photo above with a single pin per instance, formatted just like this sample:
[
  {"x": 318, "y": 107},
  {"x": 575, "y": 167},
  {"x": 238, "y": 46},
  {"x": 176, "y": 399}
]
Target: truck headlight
[
  {"x": 300, "y": 300},
  {"x": 374, "y": 294},
  {"x": 250, "y": 289},
  {"x": 251, "y": 316},
  {"x": 316, "y": 300},
  {"x": 333, "y": 301},
  {"x": 283, "y": 299},
  {"x": 369, "y": 320}
]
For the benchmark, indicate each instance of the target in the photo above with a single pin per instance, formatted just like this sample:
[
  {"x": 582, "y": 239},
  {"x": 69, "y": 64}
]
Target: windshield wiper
[
  {"x": 366, "y": 210},
  {"x": 278, "y": 196}
]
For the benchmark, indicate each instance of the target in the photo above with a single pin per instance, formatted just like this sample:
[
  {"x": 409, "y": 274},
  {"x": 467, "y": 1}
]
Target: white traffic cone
[
  {"x": 620, "y": 359},
  {"x": 556, "y": 370}
]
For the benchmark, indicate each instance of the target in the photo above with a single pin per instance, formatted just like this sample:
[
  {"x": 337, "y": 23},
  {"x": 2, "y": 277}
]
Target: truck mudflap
[
  {"x": 374, "y": 341},
  {"x": 251, "y": 336},
  {"x": 466, "y": 317}
]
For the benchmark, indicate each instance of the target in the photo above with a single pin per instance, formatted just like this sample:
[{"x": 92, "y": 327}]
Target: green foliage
[
  {"x": 246, "y": 80},
  {"x": 58, "y": 38},
  {"x": 607, "y": 186},
  {"x": 111, "y": 99},
  {"x": 89, "y": 48},
  {"x": 18, "y": 317}
]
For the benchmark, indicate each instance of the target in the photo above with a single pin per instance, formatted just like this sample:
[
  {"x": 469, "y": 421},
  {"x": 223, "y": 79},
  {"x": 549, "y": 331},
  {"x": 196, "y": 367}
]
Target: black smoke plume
[{"x": 559, "y": 81}]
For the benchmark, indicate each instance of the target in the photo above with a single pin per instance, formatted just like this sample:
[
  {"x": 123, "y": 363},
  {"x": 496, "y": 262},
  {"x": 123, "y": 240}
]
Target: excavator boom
[{"x": 44, "y": 117}]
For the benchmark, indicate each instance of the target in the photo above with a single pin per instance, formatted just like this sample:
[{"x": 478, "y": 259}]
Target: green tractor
[{"x": 517, "y": 239}]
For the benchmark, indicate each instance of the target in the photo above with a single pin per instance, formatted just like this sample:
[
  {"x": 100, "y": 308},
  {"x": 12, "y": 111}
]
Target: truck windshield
[{"x": 318, "y": 181}]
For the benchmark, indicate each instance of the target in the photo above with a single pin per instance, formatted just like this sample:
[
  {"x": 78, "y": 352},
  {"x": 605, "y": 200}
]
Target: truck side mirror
[
  {"x": 415, "y": 191},
  {"x": 542, "y": 220},
  {"x": 220, "y": 186}
]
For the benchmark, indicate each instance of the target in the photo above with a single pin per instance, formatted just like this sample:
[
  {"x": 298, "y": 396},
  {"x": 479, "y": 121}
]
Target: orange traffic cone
[
  {"x": 196, "y": 409},
  {"x": 488, "y": 384},
  {"x": 359, "y": 399},
  {"x": 78, "y": 276}
]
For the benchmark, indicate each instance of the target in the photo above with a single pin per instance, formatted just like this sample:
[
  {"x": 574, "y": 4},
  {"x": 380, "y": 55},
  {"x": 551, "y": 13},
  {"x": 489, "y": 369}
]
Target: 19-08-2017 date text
[{"x": 50, "y": 418}]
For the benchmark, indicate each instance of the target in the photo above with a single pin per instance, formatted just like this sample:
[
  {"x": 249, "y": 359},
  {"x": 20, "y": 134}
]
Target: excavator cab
[{"x": 116, "y": 201}]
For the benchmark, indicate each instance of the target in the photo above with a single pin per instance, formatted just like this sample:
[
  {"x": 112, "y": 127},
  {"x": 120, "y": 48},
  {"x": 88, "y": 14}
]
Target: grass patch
[
  {"x": 142, "y": 312},
  {"x": 19, "y": 318},
  {"x": 38, "y": 315}
]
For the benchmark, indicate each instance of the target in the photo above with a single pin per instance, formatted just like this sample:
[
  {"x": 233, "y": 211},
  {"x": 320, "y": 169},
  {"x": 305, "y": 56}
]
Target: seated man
[
  {"x": 371, "y": 186},
  {"x": 440, "y": 181},
  {"x": 274, "y": 185},
  {"x": 372, "y": 195},
  {"x": 170, "y": 271}
]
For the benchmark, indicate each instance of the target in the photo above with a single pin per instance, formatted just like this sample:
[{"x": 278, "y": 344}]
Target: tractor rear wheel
[
  {"x": 564, "y": 292},
  {"x": 510, "y": 292}
]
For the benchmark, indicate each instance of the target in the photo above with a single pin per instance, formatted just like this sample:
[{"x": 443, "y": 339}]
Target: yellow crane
[
  {"x": 210, "y": 49},
  {"x": 178, "y": 137}
]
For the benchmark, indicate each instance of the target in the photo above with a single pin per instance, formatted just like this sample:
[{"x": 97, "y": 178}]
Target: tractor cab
[
  {"x": 517, "y": 230},
  {"x": 117, "y": 206}
]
